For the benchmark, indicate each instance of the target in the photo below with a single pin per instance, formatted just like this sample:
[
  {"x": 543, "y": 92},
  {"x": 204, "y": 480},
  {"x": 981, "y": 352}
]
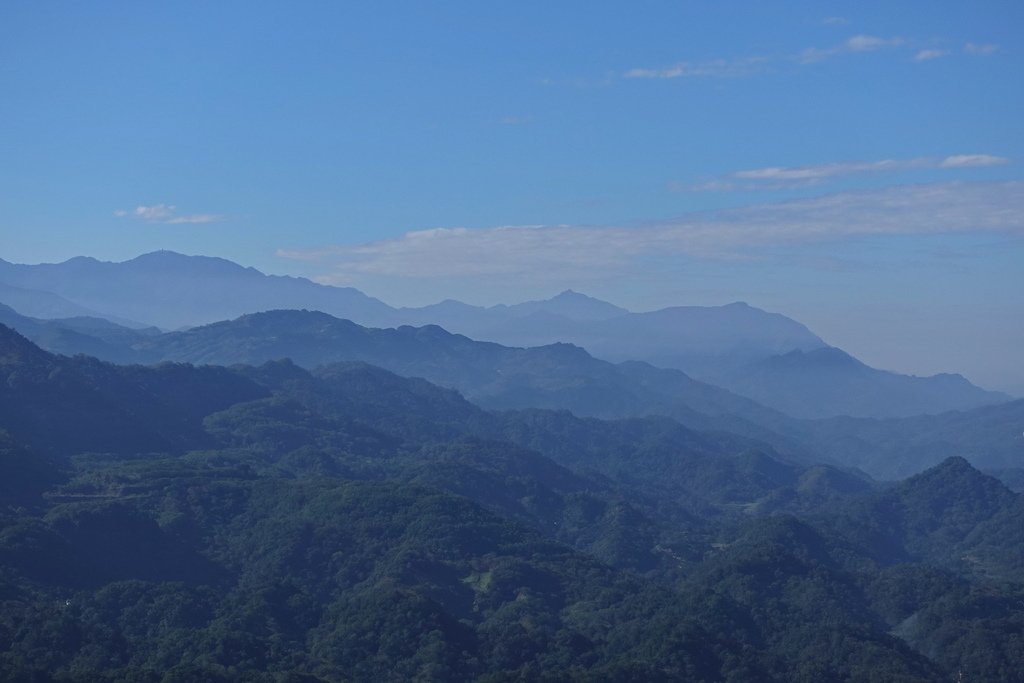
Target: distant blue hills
[{"x": 764, "y": 356}]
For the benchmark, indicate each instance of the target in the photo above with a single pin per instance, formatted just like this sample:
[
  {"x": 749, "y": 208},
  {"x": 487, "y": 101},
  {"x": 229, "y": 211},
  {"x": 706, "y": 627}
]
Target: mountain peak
[
  {"x": 954, "y": 464},
  {"x": 955, "y": 479},
  {"x": 573, "y": 295},
  {"x": 164, "y": 258},
  {"x": 570, "y": 304}
]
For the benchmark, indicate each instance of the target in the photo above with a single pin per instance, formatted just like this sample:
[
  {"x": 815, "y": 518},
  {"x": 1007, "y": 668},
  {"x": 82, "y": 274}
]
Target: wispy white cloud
[
  {"x": 569, "y": 250},
  {"x": 747, "y": 66},
  {"x": 714, "y": 68},
  {"x": 929, "y": 54},
  {"x": 165, "y": 213},
  {"x": 790, "y": 177},
  {"x": 854, "y": 44},
  {"x": 982, "y": 49},
  {"x": 972, "y": 161},
  {"x": 196, "y": 219},
  {"x": 157, "y": 212}
]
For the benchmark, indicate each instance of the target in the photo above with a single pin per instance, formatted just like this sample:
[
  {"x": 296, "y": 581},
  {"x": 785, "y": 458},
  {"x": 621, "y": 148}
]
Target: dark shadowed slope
[{"x": 79, "y": 404}]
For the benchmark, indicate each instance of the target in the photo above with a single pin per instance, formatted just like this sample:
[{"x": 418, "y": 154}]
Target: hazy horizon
[
  {"x": 854, "y": 167},
  {"x": 1009, "y": 386}
]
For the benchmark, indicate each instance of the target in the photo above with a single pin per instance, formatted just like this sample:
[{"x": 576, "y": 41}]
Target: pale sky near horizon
[{"x": 854, "y": 165}]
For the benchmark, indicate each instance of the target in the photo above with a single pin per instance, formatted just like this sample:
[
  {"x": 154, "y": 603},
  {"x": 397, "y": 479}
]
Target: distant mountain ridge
[
  {"x": 172, "y": 291},
  {"x": 765, "y": 356},
  {"x": 825, "y": 381},
  {"x": 559, "y": 376},
  {"x": 564, "y": 377}
]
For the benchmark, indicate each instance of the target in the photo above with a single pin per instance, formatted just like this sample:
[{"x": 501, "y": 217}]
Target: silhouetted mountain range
[
  {"x": 827, "y": 381},
  {"x": 765, "y": 356},
  {"x": 171, "y": 290},
  {"x": 562, "y": 376}
]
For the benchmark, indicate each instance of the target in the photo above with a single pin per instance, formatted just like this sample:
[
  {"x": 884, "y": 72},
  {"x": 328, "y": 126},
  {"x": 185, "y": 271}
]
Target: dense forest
[{"x": 270, "y": 522}]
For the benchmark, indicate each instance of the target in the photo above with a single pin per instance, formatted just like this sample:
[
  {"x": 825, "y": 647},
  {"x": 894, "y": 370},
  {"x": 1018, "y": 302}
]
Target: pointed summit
[
  {"x": 952, "y": 494},
  {"x": 572, "y": 305}
]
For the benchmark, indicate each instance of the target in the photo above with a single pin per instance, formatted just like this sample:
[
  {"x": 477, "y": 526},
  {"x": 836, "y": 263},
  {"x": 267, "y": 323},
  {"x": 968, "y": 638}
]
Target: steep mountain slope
[
  {"x": 951, "y": 516},
  {"x": 57, "y": 403}
]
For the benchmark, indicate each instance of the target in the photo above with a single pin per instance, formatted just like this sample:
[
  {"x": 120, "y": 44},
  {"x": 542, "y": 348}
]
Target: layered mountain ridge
[
  {"x": 564, "y": 377},
  {"x": 739, "y": 347}
]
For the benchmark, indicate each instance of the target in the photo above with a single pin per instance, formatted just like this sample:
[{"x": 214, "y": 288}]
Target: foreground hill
[
  {"x": 765, "y": 356},
  {"x": 62, "y": 403},
  {"x": 350, "y": 523}
]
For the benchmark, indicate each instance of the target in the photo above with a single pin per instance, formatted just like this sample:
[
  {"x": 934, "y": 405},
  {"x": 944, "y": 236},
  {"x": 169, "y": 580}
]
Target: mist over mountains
[
  {"x": 754, "y": 374},
  {"x": 171, "y": 290},
  {"x": 290, "y": 493},
  {"x": 765, "y": 356}
]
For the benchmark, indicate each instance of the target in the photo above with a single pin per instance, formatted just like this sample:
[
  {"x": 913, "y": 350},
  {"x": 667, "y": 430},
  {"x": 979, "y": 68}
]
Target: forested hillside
[{"x": 272, "y": 523}]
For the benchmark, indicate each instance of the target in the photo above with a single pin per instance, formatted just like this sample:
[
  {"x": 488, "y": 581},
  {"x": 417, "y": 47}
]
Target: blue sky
[{"x": 854, "y": 165}]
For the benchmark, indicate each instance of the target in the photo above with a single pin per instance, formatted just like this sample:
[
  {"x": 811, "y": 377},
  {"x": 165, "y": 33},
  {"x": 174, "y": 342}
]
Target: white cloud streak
[
  {"x": 854, "y": 44},
  {"x": 972, "y": 161},
  {"x": 165, "y": 213},
  {"x": 747, "y": 66},
  {"x": 982, "y": 49},
  {"x": 714, "y": 68},
  {"x": 930, "y": 54},
  {"x": 790, "y": 177},
  {"x": 572, "y": 250}
]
